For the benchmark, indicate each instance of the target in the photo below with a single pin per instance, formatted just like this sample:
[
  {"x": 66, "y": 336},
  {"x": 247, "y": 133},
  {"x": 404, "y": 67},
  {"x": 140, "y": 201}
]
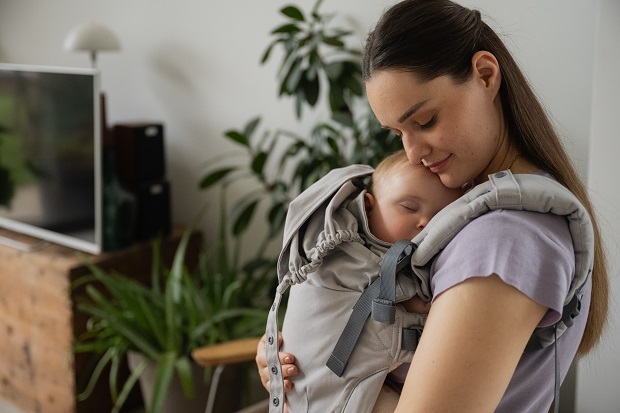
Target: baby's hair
[{"x": 390, "y": 164}]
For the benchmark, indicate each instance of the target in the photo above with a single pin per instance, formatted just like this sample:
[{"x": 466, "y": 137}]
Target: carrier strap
[
  {"x": 399, "y": 255},
  {"x": 370, "y": 301},
  {"x": 339, "y": 358}
]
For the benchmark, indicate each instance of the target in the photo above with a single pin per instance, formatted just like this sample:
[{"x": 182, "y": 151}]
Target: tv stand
[{"x": 38, "y": 321}]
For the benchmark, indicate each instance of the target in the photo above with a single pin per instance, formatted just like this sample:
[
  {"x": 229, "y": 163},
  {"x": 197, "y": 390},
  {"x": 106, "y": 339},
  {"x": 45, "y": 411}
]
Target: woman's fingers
[{"x": 289, "y": 369}]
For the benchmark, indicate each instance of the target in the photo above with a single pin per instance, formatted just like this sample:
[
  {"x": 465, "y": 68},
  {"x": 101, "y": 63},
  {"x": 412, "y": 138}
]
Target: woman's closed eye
[{"x": 428, "y": 124}]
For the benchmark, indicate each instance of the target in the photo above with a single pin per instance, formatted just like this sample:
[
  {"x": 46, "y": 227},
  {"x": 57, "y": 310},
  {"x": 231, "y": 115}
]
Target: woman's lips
[{"x": 438, "y": 166}]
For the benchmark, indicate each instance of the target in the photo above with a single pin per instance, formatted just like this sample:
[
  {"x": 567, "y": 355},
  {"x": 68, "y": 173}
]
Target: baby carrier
[{"x": 342, "y": 320}]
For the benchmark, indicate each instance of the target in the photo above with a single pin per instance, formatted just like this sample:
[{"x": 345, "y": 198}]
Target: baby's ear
[{"x": 369, "y": 201}]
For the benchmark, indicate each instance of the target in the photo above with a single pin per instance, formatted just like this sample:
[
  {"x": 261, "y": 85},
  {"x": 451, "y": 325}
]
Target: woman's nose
[{"x": 415, "y": 149}]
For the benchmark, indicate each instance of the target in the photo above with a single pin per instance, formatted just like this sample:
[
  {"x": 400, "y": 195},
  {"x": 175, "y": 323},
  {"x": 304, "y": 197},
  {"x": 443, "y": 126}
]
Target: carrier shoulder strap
[{"x": 527, "y": 192}]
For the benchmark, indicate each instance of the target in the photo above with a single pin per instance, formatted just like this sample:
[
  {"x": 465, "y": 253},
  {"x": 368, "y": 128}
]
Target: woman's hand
[{"x": 289, "y": 369}]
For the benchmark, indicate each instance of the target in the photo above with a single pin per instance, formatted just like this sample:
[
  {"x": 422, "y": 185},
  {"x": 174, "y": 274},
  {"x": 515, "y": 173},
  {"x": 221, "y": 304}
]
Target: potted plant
[
  {"x": 315, "y": 62},
  {"x": 163, "y": 322}
]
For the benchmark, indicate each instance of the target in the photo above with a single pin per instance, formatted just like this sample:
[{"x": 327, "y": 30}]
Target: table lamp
[{"x": 93, "y": 38}]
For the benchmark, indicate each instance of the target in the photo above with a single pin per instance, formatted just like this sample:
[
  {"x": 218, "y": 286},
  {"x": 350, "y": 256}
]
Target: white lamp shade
[{"x": 91, "y": 37}]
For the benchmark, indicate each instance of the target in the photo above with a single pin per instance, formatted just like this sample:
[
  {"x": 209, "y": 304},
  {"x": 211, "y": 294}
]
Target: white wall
[
  {"x": 598, "y": 377},
  {"x": 194, "y": 66}
]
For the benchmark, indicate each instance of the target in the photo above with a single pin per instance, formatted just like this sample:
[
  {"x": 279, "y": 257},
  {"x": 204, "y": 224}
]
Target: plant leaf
[
  {"x": 293, "y": 12},
  {"x": 244, "y": 219},
  {"x": 333, "y": 41},
  {"x": 129, "y": 384},
  {"x": 250, "y": 127},
  {"x": 288, "y": 28},
  {"x": 161, "y": 381},
  {"x": 184, "y": 372},
  {"x": 238, "y": 137},
  {"x": 215, "y": 177},
  {"x": 258, "y": 163},
  {"x": 311, "y": 90}
]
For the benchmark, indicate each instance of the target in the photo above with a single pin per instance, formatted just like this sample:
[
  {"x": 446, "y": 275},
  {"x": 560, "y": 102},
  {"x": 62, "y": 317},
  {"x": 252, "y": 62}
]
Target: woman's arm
[{"x": 473, "y": 339}]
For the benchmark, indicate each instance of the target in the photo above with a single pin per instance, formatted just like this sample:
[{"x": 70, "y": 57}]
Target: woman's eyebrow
[{"x": 411, "y": 111}]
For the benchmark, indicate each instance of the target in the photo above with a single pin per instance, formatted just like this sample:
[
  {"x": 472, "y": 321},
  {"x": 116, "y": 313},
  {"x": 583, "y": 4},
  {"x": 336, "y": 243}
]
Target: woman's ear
[
  {"x": 486, "y": 68},
  {"x": 369, "y": 202}
]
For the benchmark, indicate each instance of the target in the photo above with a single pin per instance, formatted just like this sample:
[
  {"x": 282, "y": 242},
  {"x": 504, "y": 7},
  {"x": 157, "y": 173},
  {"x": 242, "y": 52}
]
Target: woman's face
[{"x": 455, "y": 130}]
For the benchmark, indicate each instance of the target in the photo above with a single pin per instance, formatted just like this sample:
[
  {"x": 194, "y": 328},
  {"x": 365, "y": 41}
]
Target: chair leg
[{"x": 215, "y": 380}]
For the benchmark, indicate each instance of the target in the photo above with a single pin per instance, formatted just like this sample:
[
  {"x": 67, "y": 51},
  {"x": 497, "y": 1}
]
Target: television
[{"x": 50, "y": 154}]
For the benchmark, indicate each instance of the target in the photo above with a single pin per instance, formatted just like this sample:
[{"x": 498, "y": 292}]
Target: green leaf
[
  {"x": 354, "y": 85},
  {"x": 333, "y": 41},
  {"x": 237, "y": 137},
  {"x": 215, "y": 177},
  {"x": 129, "y": 384},
  {"x": 311, "y": 90},
  {"x": 288, "y": 28},
  {"x": 161, "y": 381},
  {"x": 333, "y": 70},
  {"x": 251, "y": 127},
  {"x": 94, "y": 378},
  {"x": 258, "y": 163},
  {"x": 267, "y": 51},
  {"x": 184, "y": 372},
  {"x": 244, "y": 218},
  {"x": 344, "y": 119},
  {"x": 276, "y": 217},
  {"x": 294, "y": 75},
  {"x": 333, "y": 145},
  {"x": 336, "y": 100},
  {"x": 293, "y": 12}
]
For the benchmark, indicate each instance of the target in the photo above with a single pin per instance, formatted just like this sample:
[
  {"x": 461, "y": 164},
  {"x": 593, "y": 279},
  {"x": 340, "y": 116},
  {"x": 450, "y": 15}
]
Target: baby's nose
[{"x": 422, "y": 223}]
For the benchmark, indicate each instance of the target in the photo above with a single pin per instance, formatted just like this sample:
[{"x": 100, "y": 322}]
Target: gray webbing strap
[
  {"x": 394, "y": 260},
  {"x": 346, "y": 342},
  {"x": 410, "y": 338},
  {"x": 399, "y": 255}
]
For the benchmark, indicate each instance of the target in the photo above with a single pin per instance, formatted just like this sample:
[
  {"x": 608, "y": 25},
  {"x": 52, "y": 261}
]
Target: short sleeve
[{"x": 530, "y": 251}]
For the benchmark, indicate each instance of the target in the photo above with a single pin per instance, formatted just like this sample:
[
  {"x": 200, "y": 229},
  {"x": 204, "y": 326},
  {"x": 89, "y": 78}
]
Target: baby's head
[{"x": 401, "y": 198}]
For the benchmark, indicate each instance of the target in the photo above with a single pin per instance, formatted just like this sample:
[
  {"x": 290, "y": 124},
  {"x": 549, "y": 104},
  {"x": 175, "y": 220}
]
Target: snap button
[
  {"x": 274, "y": 370},
  {"x": 500, "y": 174},
  {"x": 275, "y": 401},
  {"x": 270, "y": 339}
]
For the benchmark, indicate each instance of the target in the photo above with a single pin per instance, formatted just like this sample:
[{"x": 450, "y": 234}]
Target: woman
[{"x": 442, "y": 79}]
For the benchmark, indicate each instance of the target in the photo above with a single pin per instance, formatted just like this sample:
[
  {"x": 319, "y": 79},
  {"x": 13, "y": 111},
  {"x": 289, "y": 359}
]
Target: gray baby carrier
[{"x": 343, "y": 322}]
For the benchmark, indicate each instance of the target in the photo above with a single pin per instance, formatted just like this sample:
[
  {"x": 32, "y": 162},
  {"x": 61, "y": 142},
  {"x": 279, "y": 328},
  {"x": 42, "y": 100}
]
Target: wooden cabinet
[{"x": 38, "y": 320}]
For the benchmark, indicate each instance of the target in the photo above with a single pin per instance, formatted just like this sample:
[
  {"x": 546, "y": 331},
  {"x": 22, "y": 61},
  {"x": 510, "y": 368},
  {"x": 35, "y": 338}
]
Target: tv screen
[{"x": 50, "y": 154}]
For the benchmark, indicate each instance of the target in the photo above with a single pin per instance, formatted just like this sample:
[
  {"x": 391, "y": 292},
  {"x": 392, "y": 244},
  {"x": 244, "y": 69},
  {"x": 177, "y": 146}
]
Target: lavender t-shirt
[{"x": 532, "y": 252}]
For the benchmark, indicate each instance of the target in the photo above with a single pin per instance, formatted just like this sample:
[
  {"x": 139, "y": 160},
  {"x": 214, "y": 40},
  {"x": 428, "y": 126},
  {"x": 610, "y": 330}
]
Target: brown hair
[{"x": 432, "y": 38}]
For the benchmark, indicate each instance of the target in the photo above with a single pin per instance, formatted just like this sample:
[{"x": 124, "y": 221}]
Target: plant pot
[
  {"x": 228, "y": 393},
  {"x": 175, "y": 400}
]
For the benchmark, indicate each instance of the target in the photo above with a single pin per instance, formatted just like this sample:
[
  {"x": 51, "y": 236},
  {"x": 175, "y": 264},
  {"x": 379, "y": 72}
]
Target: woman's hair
[{"x": 432, "y": 38}]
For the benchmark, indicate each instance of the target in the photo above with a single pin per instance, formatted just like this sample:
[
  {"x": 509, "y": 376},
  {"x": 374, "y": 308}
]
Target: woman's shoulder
[{"x": 518, "y": 246}]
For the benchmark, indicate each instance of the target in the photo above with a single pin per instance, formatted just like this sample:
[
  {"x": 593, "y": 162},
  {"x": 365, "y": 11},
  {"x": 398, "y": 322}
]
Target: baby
[{"x": 399, "y": 201}]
